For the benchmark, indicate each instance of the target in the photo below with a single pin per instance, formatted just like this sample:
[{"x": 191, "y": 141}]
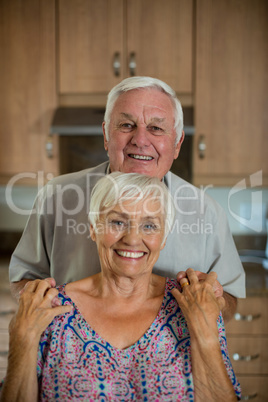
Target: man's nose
[{"x": 140, "y": 137}]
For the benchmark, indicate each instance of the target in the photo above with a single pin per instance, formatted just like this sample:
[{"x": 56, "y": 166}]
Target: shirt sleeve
[
  {"x": 31, "y": 258},
  {"x": 222, "y": 256}
]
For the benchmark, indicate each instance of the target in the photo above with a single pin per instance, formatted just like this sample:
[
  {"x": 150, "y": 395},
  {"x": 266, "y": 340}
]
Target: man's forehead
[{"x": 132, "y": 116}]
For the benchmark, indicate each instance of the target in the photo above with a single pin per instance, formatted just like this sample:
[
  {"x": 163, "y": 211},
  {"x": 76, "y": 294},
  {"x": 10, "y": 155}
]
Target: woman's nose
[
  {"x": 132, "y": 235},
  {"x": 140, "y": 137}
]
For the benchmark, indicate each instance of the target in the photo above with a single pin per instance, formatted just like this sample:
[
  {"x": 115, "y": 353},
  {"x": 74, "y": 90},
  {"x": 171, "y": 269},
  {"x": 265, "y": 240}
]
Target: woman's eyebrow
[{"x": 122, "y": 214}]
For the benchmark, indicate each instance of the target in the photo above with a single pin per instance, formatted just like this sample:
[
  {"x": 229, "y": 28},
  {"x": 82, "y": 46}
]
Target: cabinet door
[
  {"x": 90, "y": 38},
  {"x": 28, "y": 85},
  {"x": 231, "y": 90},
  {"x": 159, "y": 40}
]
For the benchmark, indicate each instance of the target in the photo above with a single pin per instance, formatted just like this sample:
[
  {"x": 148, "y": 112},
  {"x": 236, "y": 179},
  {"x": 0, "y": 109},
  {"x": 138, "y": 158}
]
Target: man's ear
[
  {"x": 92, "y": 233},
  {"x": 104, "y": 137},
  {"x": 178, "y": 145}
]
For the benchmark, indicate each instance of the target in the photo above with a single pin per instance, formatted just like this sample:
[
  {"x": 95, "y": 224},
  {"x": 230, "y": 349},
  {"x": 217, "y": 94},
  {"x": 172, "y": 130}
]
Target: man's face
[{"x": 141, "y": 133}]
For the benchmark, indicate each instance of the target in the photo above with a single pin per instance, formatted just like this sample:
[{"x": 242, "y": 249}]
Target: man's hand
[{"x": 230, "y": 301}]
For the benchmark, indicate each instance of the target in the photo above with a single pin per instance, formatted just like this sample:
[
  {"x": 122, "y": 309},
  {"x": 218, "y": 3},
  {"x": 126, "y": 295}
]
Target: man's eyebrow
[
  {"x": 154, "y": 119},
  {"x": 158, "y": 119},
  {"x": 126, "y": 115}
]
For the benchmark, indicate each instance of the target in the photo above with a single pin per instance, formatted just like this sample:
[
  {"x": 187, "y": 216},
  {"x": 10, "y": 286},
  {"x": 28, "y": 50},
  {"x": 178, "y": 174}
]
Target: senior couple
[{"x": 123, "y": 328}]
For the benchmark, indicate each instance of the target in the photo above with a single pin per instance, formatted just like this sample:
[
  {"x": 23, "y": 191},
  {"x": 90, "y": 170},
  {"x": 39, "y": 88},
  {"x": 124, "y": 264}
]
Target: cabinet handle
[
  {"x": 201, "y": 146},
  {"x": 132, "y": 64},
  {"x": 3, "y": 353},
  {"x": 7, "y": 312},
  {"x": 248, "y": 317},
  {"x": 49, "y": 148},
  {"x": 248, "y": 397},
  {"x": 117, "y": 64},
  {"x": 238, "y": 358}
]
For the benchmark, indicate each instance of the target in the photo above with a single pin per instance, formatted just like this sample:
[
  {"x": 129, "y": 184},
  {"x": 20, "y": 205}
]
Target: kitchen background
[{"x": 67, "y": 54}]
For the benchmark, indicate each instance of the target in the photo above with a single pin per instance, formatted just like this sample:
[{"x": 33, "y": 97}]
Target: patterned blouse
[{"x": 75, "y": 363}]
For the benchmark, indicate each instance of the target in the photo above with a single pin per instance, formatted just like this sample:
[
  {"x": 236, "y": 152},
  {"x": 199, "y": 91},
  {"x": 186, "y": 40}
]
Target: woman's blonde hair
[{"x": 118, "y": 187}]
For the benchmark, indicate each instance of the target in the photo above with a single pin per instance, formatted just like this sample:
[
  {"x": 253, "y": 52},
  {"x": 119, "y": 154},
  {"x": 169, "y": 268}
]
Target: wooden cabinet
[
  {"x": 231, "y": 88},
  {"x": 28, "y": 86},
  {"x": 247, "y": 339},
  {"x": 7, "y": 308},
  {"x": 101, "y": 42}
]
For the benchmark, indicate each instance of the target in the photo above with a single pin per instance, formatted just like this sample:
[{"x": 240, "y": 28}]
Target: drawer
[
  {"x": 3, "y": 350},
  {"x": 249, "y": 355},
  {"x": 254, "y": 388},
  {"x": 251, "y": 317}
]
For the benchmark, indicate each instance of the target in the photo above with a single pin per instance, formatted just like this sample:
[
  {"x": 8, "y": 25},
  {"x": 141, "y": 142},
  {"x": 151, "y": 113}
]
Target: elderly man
[{"x": 143, "y": 133}]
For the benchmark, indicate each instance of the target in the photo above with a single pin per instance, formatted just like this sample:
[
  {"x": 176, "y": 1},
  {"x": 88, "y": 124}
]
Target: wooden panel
[
  {"x": 231, "y": 87},
  {"x": 27, "y": 84},
  {"x": 257, "y": 307},
  {"x": 160, "y": 34},
  {"x": 90, "y": 33},
  {"x": 254, "y": 388},
  {"x": 254, "y": 348}
]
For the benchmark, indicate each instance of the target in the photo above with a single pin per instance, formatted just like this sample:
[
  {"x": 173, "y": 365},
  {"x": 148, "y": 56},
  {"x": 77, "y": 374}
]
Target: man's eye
[
  {"x": 126, "y": 126},
  {"x": 156, "y": 129}
]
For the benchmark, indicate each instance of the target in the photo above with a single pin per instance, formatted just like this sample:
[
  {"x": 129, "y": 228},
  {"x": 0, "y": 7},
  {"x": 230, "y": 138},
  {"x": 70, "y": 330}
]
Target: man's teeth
[
  {"x": 130, "y": 254},
  {"x": 142, "y": 157}
]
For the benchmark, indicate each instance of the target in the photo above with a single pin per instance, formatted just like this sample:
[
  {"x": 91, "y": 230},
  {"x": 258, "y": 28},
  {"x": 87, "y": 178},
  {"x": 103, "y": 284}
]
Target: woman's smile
[{"x": 130, "y": 254}]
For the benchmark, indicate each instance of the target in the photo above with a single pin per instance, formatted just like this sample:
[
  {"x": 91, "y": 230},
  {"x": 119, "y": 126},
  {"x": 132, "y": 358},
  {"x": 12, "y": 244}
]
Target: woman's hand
[
  {"x": 217, "y": 287},
  {"x": 35, "y": 311},
  {"x": 199, "y": 303},
  {"x": 201, "y": 309}
]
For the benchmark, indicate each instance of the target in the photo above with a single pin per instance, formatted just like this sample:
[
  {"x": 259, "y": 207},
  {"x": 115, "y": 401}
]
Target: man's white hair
[
  {"x": 117, "y": 187},
  {"x": 138, "y": 83}
]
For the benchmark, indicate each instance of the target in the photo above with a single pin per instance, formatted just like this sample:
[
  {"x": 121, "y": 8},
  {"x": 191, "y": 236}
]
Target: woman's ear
[
  {"x": 163, "y": 245},
  {"x": 92, "y": 233}
]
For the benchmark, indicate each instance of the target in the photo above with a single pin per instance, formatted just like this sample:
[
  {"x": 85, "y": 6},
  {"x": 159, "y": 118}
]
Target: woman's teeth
[
  {"x": 142, "y": 157},
  {"x": 130, "y": 254}
]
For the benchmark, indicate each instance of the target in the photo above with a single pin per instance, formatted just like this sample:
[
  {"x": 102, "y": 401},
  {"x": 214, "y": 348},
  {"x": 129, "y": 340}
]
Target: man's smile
[{"x": 141, "y": 157}]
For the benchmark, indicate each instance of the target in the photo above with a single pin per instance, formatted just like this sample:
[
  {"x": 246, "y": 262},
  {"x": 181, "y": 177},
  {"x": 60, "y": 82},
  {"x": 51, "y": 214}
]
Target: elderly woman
[{"x": 124, "y": 334}]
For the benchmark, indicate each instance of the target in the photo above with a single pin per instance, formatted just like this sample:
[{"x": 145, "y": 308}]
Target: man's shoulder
[
  {"x": 183, "y": 191},
  {"x": 82, "y": 177}
]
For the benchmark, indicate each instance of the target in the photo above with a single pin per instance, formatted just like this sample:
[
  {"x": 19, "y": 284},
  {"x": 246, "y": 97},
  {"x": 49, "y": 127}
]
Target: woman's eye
[
  {"x": 117, "y": 224},
  {"x": 150, "y": 227}
]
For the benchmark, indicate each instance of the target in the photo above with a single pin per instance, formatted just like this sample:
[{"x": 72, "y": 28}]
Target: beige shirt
[{"x": 56, "y": 240}]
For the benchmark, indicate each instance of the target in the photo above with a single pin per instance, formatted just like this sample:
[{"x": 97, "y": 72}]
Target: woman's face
[{"x": 129, "y": 237}]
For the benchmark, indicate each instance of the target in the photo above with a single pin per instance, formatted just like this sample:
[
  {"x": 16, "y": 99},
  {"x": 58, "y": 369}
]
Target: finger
[
  {"x": 56, "y": 302},
  {"x": 31, "y": 286},
  {"x": 62, "y": 310},
  {"x": 180, "y": 275},
  {"x": 211, "y": 278},
  {"x": 191, "y": 275},
  {"x": 51, "y": 281},
  {"x": 177, "y": 294},
  {"x": 221, "y": 302},
  {"x": 49, "y": 296},
  {"x": 184, "y": 283}
]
